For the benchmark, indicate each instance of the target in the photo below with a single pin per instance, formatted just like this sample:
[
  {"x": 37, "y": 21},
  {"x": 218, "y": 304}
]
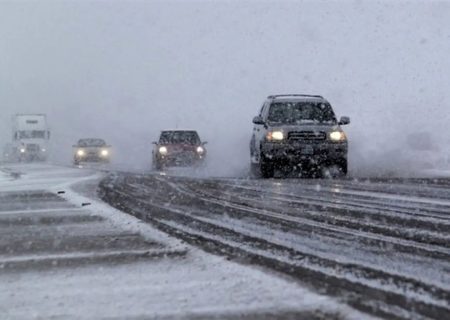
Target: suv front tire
[{"x": 266, "y": 167}]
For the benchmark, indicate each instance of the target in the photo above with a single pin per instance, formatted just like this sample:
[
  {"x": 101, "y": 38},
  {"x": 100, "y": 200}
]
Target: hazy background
[{"x": 124, "y": 70}]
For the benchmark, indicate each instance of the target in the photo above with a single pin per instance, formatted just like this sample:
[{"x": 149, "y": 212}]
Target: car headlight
[
  {"x": 162, "y": 150},
  {"x": 22, "y": 150},
  {"x": 275, "y": 135},
  {"x": 337, "y": 136},
  {"x": 200, "y": 150},
  {"x": 44, "y": 150},
  {"x": 80, "y": 153},
  {"x": 104, "y": 153}
]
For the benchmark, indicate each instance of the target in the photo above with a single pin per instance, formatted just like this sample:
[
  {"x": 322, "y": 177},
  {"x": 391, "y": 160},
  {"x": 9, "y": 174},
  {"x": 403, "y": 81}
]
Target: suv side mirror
[
  {"x": 258, "y": 120},
  {"x": 204, "y": 142},
  {"x": 154, "y": 142},
  {"x": 344, "y": 121}
]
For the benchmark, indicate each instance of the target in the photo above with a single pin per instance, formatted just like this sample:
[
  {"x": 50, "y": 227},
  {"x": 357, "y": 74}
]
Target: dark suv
[
  {"x": 178, "y": 148},
  {"x": 298, "y": 131}
]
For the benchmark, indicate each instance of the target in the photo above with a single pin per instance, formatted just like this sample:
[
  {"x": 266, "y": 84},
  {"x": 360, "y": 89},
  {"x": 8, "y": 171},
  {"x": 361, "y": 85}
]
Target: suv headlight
[
  {"x": 275, "y": 136},
  {"x": 200, "y": 150},
  {"x": 162, "y": 150},
  {"x": 104, "y": 153},
  {"x": 337, "y": 136},
  {"x": 80, "y": 153}
]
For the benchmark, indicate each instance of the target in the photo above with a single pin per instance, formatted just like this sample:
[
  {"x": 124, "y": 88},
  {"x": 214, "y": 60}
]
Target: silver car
[{"x": 91, "y": 150}]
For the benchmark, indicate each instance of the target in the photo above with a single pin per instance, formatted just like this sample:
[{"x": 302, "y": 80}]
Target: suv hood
[{"x": 92, "y": 148}]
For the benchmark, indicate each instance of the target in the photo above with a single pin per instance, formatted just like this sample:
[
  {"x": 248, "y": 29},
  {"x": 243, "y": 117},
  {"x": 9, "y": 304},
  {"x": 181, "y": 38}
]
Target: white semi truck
[{"x": 31, "y": 137}]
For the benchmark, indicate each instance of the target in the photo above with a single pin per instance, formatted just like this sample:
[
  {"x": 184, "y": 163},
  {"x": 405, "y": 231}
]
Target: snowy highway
[
  {"x": 64, "y": 254},
  {"x": 217, "y": 159},
  {"x": 381, "y": 245}
]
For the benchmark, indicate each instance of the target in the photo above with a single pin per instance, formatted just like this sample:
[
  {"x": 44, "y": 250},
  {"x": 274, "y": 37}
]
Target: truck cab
[{"x": 31, "y": 136}]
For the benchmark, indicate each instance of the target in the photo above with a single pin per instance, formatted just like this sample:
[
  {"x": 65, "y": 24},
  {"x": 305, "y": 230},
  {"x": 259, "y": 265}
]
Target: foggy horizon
[{"x": 123, "y": 71}]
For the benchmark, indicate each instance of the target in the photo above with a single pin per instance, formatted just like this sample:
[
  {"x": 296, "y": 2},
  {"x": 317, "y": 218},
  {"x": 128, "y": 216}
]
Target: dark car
[
  {"x": 298, "y": 131},
  {"x": 91, "y": 150},
  {"x": 178, "y": 148}
]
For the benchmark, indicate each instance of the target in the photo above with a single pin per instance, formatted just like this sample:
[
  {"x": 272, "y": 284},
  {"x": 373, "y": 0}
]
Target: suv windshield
[
  {"x": 301, "y": 112},
  {"x": 175, "y": 137},
  {"x": 91, "y": 143}
]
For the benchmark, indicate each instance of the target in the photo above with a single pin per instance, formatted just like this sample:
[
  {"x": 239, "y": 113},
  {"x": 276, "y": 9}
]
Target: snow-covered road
[
  {"x": 65, "y": 254},
  {"x": 381, "y": 245}
]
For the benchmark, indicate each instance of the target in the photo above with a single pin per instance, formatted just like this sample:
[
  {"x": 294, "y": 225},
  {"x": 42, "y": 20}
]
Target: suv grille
[{"x": 307, "y": 136}]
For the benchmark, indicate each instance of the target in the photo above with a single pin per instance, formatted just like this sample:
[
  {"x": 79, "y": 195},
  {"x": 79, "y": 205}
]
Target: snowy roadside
[
  {"x": 436, "y": 173},
  {"x": 4, "y": 176}
]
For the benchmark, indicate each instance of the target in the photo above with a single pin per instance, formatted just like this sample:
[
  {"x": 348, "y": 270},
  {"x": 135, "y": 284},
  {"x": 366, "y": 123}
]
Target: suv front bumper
[
  {"x": 304, "y": 152},
  {"x": 184, "y": 159}
]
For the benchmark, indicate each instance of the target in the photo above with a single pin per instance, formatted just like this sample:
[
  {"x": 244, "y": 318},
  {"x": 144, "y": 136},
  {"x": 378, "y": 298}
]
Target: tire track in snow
[{"x": 139, "y": 196}]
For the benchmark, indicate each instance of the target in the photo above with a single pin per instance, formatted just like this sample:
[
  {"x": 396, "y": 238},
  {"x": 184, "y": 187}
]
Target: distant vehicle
[
  {"x": 91, "y": 150},
  {"x": 31, "y": 137},
  {"x": 178, "y": 148},
  {"x": 298, "y": 131}
]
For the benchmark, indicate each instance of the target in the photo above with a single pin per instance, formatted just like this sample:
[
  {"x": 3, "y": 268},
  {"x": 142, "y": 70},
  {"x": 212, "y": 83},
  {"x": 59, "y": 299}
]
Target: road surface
[
  {"x": 64, "y": 254},
  {"x": 380, "y": 245}
]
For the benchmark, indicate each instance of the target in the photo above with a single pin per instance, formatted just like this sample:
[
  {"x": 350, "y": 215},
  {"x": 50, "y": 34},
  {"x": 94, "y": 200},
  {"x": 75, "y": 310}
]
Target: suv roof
[
  {"x": 287, "y": 96},
  {"x": 180, "y": 130}
]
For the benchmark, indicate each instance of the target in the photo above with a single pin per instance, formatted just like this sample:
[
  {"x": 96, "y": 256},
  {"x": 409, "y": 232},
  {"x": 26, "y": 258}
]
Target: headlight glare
[
  {"x": 200, "y": 150},
  {"x": 337, "y": 136},
  {"x": 162, "y": 150},
  {"x": 80, "y": 153},
  {"x": 275, "y": 135},
  {"x": 104, "y": 153},
  {"x": 22, "y": 150}
]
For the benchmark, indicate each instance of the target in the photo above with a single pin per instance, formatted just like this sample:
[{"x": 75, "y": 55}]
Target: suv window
[
  {"x": 91, "y": 143},
  {"x": 288, "y": 112},
  {"x": 175, "y": 137}
]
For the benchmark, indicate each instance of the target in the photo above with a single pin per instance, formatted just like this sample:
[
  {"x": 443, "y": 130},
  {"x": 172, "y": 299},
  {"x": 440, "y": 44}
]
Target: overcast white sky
[{"x": 123, "y": 70}]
